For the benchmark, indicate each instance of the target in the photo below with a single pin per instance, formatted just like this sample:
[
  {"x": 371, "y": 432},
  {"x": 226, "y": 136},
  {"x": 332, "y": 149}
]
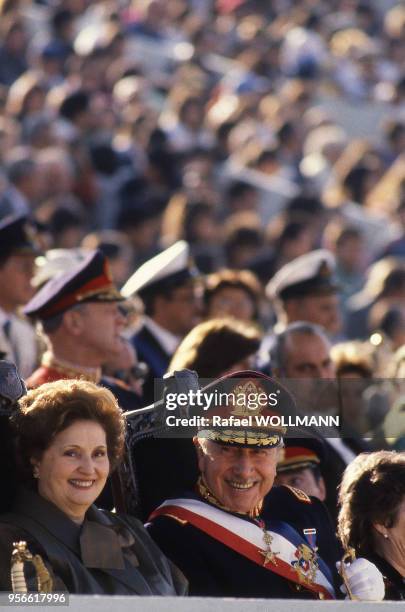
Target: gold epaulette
[{"x": 299, "y": 494}]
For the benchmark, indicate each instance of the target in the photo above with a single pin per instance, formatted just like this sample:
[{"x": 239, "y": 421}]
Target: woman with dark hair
[
  {"x": 232, "y": 293},
  {"x": 372, "y": 515},
  {"x": 69, "y": 436},
  {"x": 217, "y": 347}
]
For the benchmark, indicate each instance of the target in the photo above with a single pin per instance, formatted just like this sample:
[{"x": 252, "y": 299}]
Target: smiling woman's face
[
  {"x": 73, "y": 470},
  {"x": 238, "y": 477}
]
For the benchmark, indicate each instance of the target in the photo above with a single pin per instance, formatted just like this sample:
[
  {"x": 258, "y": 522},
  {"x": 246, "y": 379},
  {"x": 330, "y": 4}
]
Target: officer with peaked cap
[
  {"x": 305, "y": 290},
  {"x": 55, "y": 262},
  {"x": 300, "y": 466},
  {"x": 83, "y": 324},
  {"x": 167, "y": 288},
  {"x": 18, "y": 248},
  {"x": 236, "y": 535}
]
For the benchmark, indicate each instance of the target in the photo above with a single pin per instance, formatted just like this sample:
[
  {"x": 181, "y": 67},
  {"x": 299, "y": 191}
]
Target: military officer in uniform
[
  {"x": 80, "y": 317},
  {"x": 167, "y": 287},
  {"x": 18, "y": 248},
  {"x": 236, "y": 535},
  {"x": 301, "y": 464},
  {"x": 305, "y": 289}
]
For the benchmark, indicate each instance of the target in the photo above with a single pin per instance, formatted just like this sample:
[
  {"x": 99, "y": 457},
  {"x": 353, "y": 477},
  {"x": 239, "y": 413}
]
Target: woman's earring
[
  {"x": 35, "y": 472},
  {"x": 386, "y": 536}
]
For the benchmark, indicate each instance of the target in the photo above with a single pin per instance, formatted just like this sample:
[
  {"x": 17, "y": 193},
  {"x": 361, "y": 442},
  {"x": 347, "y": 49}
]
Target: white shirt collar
[{"x": 166, "y": 339}]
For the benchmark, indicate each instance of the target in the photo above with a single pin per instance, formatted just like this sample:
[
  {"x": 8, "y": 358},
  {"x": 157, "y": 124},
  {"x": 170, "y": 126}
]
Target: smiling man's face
[{"x": 238, "y": 477}]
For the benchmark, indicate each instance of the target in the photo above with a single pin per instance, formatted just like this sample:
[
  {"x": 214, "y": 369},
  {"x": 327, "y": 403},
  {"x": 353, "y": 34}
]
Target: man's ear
[
  {"x": 322, "y": 489},
  {"x": 200, "y": 453},
  {"x": 73, "y": 321}
]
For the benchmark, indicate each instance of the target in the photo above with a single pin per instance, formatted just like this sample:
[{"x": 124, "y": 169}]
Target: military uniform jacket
[
  {"x": 107, "y": 554},
  {"x": 151, "y": 352},
  {"x": 213, "y": 569}
]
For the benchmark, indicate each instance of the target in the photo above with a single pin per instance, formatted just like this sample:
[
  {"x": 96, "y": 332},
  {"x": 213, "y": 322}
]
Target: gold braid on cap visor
[{"x": 242, "y": 437}]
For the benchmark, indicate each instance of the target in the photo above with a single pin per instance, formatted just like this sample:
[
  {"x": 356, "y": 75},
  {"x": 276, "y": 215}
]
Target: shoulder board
[{"x": 299, "y": 494}]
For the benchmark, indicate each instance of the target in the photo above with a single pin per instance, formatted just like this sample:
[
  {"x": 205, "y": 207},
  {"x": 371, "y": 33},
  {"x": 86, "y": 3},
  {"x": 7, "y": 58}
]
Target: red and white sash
[{"x": 246, "y": 538}]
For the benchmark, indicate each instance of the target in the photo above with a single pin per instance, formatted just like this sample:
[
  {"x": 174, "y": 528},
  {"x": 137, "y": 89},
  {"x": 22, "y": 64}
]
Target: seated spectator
[
  {"x": 287, "y": 237},
  {"x": 355, "y": 365},
  {"x": 243, "y": 240},
  {"x": 346, "y": 242},
  {"x": 26, "y": 97},
  {"x": 372, "y": 515},
  {"x": 70, "y": 436},
  {"x": 305, "y": 289},
  {"x": 300, "y": 355},
  {"x": 115, "y": 246},
  {"x": 241, "y": 197},
  {"x": 385, "y": 281},
  {"x": 217, "y": 346},
  {"x": 232, "y": 293},
  {"x": 13, "y": 61},
  {"x": 196, "y": 222},
  {"x": 25, "y": 184},
  {"x": 388, "y": 319},
  {"x": 300, "y": 466},
  {"x": 236, "y": 519}
]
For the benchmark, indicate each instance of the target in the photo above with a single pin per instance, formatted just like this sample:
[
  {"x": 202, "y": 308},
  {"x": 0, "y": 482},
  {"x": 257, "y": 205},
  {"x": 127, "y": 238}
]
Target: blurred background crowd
[{"x": 256, "y": 131}]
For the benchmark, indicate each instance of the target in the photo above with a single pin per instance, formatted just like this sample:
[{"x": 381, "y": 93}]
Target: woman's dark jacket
[
  {"x": 108, "y": 554},
  {"x": 394, "y": 582}
]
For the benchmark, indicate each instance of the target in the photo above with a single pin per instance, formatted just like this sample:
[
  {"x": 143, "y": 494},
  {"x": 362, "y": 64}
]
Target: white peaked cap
[
  {"x": 55, "y": 262},
  {"x": 168, "y": 263},
  {"x": 303, "y": 269}
]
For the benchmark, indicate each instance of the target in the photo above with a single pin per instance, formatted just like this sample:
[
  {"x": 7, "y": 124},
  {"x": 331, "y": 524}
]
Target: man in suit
[
  {"x": 18, "y": 249},
  {"x": 167, "y": 287},
  {"x": 300, "y": 357}
]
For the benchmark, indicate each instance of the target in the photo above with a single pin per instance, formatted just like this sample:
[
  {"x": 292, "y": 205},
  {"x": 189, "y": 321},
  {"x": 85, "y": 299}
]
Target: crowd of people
[{"x": 217, "y": 186}]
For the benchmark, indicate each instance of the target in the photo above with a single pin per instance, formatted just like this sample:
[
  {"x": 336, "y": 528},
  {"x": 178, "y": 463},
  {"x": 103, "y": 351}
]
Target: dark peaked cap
[
  {"x": 89, "y": 281},
  {"x": 249, "y": 389},
  {"x": 300, "y": 453},
  {"x": 17, "y": 236},
  {"x": 309, "y": 274}
]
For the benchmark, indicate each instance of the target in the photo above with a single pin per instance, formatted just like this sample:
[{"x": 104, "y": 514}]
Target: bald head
[{"x": 302, "y": 350}]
